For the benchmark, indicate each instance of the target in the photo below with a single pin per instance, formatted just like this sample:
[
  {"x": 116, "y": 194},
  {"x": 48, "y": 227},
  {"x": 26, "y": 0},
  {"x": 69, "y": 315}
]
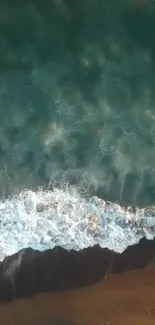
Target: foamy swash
[{"x": 64, "y": 217}]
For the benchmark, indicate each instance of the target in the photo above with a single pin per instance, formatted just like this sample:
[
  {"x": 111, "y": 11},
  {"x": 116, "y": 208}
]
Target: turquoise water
[{"x": 77, "y": 97}]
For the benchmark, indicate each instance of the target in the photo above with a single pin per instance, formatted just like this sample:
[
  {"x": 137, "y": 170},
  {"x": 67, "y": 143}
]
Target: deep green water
[{"x": 77, "y": 96}]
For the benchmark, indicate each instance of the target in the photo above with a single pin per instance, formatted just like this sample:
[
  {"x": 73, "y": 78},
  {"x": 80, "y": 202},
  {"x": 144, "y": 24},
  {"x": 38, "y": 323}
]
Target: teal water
[
  {"x": 77, "y": 81},
  {"x": 77, "y": 101}
]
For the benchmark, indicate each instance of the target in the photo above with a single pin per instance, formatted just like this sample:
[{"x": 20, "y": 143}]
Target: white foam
[{"x": 64, "y": 217}]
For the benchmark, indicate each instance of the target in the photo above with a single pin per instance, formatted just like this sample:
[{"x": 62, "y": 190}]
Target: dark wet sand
[{"x": 123, "y": 299}]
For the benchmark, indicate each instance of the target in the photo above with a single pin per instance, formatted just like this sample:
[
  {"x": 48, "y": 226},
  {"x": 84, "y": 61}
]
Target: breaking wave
[{"x": 65, "y": 217}]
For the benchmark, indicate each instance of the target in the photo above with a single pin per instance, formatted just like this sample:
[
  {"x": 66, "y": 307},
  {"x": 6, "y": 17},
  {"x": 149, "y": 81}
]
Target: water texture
[
  {"x": 77, "y": 83},
  {"x": 77, "y": 106},
  {"x": 62, "y": 217}
]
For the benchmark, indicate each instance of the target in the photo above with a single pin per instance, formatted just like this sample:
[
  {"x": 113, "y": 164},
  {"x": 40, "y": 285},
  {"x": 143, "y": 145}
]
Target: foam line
[{"x": 64, "y": 217}]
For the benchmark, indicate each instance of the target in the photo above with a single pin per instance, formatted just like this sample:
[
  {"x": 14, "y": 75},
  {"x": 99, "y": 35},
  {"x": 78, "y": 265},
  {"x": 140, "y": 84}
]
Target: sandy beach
[{"x": 117, "y": 300}]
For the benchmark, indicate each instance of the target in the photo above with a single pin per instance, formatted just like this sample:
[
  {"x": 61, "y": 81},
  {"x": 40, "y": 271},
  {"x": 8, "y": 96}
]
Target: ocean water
[{"x": 77, "y": 107}]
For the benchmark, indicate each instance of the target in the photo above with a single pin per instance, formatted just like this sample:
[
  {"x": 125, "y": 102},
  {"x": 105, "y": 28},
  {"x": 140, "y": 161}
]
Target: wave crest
[{"x": 64, "y": 217}]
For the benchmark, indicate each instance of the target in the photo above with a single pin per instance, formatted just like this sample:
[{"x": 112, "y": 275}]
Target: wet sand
[{"x": 123, "y": 299}]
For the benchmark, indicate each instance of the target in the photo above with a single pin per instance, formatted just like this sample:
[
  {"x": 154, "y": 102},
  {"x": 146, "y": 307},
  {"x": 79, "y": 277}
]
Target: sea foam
[{"x": 63, "y": 216}]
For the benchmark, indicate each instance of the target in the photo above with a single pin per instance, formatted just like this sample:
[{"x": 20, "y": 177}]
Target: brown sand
[{"x": 117, "y": 300}]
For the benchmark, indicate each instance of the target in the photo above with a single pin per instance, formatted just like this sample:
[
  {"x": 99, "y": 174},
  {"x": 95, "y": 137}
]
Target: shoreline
[
  {"x": 118, "y": 299},
  {"x": 30, "y": 272}
]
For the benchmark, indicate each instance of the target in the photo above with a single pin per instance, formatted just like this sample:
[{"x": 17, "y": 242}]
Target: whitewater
[{"x": 63, "y": 216}]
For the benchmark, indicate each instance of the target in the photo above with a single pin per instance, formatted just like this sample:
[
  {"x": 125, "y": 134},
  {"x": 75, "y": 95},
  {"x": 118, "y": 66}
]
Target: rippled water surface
[
  {"x": 77, "y": 97},
  {"x": 77, "y": 83}
]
